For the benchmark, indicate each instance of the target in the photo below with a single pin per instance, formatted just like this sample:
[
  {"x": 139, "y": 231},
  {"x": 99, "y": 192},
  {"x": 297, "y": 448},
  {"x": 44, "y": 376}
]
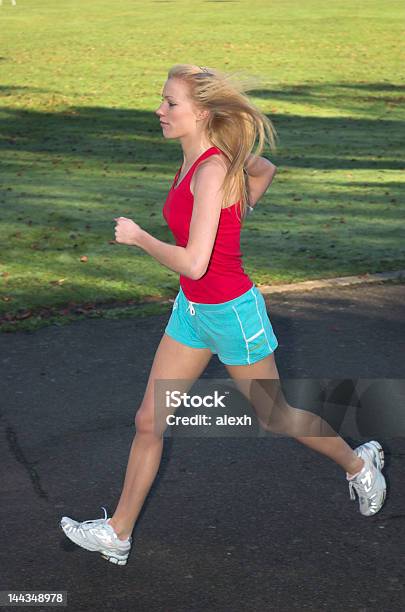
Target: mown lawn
[{"x": 80, "y": 143}]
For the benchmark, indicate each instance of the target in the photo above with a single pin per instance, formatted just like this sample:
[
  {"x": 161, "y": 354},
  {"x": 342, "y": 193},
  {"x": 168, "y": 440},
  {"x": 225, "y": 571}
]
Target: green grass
[{"x": 80, "y": 143}]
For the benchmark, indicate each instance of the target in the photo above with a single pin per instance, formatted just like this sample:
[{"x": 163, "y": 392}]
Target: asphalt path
[{"x": 232, "y": 523}]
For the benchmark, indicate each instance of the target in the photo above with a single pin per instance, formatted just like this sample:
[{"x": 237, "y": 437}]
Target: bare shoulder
[{"x": 214, "y": 161}]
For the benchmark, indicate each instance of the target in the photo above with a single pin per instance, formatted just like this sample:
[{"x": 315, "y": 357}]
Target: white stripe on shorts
[
  {"x": 241, "y": 326},
  {"x": 255, "y": 335},
  {"x": 257, "y": 308}
]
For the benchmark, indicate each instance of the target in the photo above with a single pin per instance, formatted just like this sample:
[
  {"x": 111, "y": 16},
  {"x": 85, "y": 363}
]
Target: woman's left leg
[{"x": 260, "y": 383}]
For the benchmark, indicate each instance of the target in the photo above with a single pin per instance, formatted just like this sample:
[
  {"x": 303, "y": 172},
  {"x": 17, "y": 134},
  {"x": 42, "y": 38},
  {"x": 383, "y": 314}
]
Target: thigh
[
  {"x": 175, "y": 367},
  {"x": 259, "y": 382},
  {"x": 265, "y": 368}
]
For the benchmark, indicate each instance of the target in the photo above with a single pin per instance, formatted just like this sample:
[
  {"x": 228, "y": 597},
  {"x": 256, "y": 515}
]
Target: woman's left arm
[
  {"x": 191, "y": 261},
  {"x": 176, "y": 258}
]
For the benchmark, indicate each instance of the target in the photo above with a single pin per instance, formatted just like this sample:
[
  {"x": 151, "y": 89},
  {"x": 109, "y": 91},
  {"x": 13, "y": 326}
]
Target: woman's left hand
[{"x": 127, "y": 231}]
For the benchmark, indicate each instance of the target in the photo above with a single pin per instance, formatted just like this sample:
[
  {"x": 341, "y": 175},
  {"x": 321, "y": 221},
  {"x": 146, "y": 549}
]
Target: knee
[
  {"x": 278, "y": 419},
  {"x": 143, "y": 422},
  {"x": 148, "y": 424}
]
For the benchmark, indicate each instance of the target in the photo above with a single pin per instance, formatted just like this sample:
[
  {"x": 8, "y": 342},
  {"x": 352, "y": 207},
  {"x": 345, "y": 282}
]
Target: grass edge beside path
[{"x": 30, "y": 321}]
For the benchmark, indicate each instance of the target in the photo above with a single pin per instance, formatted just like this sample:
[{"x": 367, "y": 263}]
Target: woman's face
[{"x": 177, "y": 114}]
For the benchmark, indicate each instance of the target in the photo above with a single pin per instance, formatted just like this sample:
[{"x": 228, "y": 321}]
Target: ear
[{"x": 204, "y": 115}]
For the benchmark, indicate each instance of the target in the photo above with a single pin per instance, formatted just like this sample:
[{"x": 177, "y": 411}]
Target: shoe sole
[
  {"x": 380, "y": 452},
  {"x": 380, "y": 459},
  {"x": 116, "y": 559}
]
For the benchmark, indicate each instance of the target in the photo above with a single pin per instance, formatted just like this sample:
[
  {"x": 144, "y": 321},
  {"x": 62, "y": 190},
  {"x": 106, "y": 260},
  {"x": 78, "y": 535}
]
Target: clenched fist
[{"x": 127, "y": 231}]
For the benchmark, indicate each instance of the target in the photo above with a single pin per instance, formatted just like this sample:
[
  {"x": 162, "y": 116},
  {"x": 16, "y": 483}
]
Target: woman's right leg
[{"x": 173, "y": 360}]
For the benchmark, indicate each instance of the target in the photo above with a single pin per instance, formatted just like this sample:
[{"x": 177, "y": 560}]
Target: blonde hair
[{"x": 234, "y": 121}]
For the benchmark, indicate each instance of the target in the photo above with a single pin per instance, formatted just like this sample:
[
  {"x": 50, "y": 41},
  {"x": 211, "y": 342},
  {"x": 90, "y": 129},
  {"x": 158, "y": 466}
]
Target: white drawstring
[{"x": 190, "y": 305}]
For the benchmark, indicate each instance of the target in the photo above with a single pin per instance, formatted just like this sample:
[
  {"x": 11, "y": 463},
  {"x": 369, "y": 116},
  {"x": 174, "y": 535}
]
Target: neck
[{"x": 192, "y": 150}]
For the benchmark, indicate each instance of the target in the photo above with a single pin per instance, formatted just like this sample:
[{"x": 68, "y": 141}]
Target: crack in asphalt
[{"x": 17, "y": 452}]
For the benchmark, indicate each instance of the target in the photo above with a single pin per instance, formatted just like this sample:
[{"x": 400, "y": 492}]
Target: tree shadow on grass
[
  {"x": 116, "y": 134},
  {"x": 35, "y": 143}
]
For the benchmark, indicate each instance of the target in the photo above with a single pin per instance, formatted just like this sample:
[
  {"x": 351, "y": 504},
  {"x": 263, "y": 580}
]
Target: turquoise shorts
[{"x": 238, "y": 331}]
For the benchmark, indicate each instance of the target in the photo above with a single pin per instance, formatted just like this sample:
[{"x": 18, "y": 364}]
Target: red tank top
[{"x": 225, "y": 278}]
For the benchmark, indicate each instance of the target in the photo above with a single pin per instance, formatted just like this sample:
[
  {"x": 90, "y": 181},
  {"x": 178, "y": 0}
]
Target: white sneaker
[
  {"x": 369, "y": 484},
  {"x": 98, "y": 535}
]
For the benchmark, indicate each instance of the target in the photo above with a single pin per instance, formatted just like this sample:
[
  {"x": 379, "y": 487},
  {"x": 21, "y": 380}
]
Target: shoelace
[{"x": 92, "y": 522}]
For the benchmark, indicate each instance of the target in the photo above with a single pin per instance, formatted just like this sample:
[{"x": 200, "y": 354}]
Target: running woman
[{"x": 218, "y": 309}]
